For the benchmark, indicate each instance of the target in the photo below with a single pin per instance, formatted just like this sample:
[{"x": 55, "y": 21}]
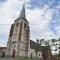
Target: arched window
[
  {"x": 24, "y": 25},
  {"x": 17, "y": 23},
  {"x": 39, "y": 54}
]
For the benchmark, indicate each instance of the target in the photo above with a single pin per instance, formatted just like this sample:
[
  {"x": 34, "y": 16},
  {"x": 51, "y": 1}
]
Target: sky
[{"x": 43, "y": 17}]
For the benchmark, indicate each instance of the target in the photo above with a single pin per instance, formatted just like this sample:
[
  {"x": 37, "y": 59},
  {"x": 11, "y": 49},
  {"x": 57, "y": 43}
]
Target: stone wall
[{"x": 33, "y": 53}]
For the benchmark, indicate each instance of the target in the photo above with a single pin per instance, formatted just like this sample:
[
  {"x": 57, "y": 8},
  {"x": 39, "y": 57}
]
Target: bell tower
[{"x": 19, "y": 41}]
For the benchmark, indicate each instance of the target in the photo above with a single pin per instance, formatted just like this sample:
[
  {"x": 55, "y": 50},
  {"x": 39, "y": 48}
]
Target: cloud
[
  {"x": 57, "y": 28},
  {"x": 4, "y": 34},
  {"x": 3, "y": 42},
  {"x": 9, "y": 11},
  {"x": 4, "y": 29},
  {"x": 39, "y": 19}
]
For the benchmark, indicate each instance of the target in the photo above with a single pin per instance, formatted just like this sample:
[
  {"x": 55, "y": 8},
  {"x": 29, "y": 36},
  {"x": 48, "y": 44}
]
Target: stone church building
[{"x": 19, "y": 43}]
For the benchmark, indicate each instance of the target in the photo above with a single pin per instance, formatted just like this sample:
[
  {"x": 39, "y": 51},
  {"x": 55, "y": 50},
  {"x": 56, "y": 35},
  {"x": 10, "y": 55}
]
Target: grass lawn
[{"x": 32, "y": 59}]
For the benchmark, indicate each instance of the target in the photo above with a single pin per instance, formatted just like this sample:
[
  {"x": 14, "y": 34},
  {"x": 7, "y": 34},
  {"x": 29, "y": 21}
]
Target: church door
[
  {"x": 31, "y": 55},
  {"x": 13, "y": 54}
]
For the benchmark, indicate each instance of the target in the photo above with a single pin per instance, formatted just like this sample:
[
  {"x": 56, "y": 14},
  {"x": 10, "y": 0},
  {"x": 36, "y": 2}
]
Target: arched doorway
[{"x": 13, "y": 53}]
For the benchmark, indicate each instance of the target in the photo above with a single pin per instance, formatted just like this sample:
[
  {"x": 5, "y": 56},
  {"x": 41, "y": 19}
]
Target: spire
[{"x": 22, "y": 13}]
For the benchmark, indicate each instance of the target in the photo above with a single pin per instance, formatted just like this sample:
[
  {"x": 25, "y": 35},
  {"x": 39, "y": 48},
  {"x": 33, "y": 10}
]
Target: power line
[
  {"x": 5, "y": 24},
  {"x": 33, "y": 24},
  {"x": 44, "y": 23}
]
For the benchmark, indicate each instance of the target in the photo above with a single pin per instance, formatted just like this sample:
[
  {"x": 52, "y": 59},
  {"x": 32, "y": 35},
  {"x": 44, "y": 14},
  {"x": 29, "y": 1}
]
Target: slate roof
[
  {"x": 41, "y": 48},
  {"x": 33, "y": 45},
  {"x": 2, "y": 47}
]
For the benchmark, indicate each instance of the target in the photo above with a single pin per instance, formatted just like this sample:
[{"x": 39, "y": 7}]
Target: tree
[
  {"x": 38, "y": 44},
  {"x": 59, "y": 48},
  {"x": 56, "y": 46},
  {"x": 47, "y": 43},
  {"x": 46, "y": 49},
  {"x": 53, "y": 40},
  {"x": 37, "y": 48}
]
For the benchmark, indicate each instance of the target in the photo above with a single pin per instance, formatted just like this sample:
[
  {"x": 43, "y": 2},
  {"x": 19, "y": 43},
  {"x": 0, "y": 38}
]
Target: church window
[
  {"x": 14, "y": 45},
  {"x": 25, "y": 25},
  {"x": 17, "y": 23},
  {"x": 39, "y": 54}
]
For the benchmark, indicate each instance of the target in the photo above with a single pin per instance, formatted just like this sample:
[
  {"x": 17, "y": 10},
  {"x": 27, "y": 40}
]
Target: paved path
[{"x": 9, "y": 59}]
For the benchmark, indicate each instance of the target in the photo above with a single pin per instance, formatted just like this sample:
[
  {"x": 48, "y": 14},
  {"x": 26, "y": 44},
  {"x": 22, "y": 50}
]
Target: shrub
[{"x": 59, "y": 55}]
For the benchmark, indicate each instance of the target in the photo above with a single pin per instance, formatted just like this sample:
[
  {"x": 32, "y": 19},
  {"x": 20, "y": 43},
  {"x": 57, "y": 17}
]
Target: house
[{"x": 2, "y": 51}]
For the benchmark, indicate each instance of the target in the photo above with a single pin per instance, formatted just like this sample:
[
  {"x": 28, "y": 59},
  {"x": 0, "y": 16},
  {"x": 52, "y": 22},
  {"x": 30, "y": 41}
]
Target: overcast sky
[{"x": 43, "y": 17}]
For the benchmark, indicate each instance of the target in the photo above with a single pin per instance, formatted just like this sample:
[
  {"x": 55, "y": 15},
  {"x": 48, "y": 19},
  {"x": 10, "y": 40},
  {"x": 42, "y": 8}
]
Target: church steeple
[{"x": 22, "y": 13}]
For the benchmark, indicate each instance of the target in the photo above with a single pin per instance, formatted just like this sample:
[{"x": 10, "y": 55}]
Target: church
[{"x": 19, "y": 43}]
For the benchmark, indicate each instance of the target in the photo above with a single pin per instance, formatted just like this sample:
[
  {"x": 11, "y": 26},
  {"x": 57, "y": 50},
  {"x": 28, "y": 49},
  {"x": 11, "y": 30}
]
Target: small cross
[{"x": 24, "y": 1}]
